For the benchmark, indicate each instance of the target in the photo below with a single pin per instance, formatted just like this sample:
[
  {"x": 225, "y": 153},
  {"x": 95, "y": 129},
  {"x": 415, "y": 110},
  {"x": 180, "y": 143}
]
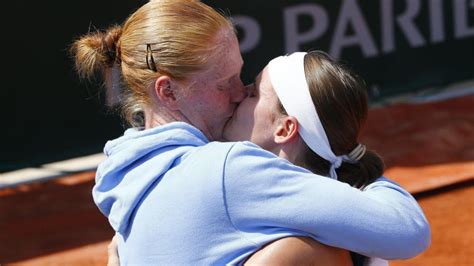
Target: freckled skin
[{"x": 215, "y": 93}]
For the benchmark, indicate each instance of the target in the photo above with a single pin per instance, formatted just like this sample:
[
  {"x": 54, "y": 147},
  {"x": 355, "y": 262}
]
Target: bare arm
[
  {"x": 300, "y": 251},
  {"x": 286, "y": 251}
]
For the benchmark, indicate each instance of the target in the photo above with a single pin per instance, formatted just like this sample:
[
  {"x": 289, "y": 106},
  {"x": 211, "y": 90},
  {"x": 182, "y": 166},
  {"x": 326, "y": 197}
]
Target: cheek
[
  {"x": 209, "y": 102},
  {"x": 220, "y": 99},
  {"x": 243, "y": 120},
  {"x": 262, "y": 133},
  {"x": 246, "y": 110},
  {"x": 263, "y": 115},
  {"x": 208, "y": 95},
  {"x": 241, "y": 116}
]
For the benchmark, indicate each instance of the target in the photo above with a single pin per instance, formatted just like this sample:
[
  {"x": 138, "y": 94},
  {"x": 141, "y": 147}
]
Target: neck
[
  {"x": 161, "y": 116},
  {"x": 288, "y": 155},
  {"x": 291, "y": 150}
]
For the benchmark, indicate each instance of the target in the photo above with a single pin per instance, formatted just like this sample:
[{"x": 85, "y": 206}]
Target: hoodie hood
[{"x": 135, "y": 162}]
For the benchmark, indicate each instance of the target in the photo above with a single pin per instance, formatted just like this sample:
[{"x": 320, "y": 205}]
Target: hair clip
[{"x": 149, "y": 52}]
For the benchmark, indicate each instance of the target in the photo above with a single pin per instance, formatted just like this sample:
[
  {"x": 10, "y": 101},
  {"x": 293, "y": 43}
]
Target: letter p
[{"x": 293, "y": 38}]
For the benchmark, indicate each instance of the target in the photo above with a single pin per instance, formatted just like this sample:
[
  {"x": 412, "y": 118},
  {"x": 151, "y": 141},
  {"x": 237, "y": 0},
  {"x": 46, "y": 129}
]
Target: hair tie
[{"x": 357, "y": 153}]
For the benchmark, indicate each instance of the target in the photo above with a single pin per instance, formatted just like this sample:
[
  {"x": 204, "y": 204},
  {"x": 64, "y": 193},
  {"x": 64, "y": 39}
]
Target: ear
[
  {"x": 165, "y": 92},
  {"x": 286, "y": 130}
]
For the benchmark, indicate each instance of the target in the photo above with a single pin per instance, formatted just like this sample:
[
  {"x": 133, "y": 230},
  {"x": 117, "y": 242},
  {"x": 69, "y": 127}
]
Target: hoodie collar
[{"x": 135, "y": 162}]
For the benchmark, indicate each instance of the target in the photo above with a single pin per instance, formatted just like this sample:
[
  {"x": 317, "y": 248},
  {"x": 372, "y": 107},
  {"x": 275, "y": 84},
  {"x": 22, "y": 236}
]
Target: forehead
[
  {"x": 227, "y": 62},
  {"x": 224, "y": 64},
  {"x": 264, "y": 86}
]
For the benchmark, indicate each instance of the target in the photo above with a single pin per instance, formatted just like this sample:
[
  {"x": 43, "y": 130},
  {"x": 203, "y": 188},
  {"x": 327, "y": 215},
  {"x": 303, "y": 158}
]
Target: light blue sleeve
[{"x": 263, "y": 192}]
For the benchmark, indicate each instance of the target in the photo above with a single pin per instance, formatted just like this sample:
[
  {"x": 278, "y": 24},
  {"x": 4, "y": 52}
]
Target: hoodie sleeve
[{"x": 263, "y": 191}]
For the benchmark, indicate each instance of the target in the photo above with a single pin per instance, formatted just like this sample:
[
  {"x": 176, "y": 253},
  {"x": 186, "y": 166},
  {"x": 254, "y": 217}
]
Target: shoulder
[
  {"x": 246, "y": 156},
  {"x": 247, "y": 148},
  {"x": 238, "y": 151},
  {"x": 229, "y": 148},
  {"x": 384, "y": 182},
  {"x": 233, "y": 155},
  {"x": 249, "y": 165}
]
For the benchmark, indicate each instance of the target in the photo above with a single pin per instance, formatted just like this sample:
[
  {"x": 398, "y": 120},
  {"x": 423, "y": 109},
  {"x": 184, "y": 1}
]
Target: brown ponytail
[
  {"x": 362, "y": 173},
  {"x": 342, "y": 105},
  {"x": 97, "y": 51}
]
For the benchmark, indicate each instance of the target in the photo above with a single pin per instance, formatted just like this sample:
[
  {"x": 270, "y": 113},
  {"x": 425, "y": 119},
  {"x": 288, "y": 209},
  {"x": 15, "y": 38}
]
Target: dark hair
[{"x": 342, "y": 105}]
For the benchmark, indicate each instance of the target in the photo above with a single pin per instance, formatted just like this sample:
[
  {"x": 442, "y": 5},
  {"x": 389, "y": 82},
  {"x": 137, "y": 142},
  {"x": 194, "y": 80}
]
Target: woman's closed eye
[{"x": 251, "y": 91}]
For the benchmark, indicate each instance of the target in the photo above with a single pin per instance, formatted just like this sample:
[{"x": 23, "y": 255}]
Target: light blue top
[{"x": 177, "y": 199}]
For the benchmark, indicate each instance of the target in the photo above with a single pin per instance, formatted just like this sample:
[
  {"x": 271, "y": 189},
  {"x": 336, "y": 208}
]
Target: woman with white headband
[{"x": 308, "y": 109}]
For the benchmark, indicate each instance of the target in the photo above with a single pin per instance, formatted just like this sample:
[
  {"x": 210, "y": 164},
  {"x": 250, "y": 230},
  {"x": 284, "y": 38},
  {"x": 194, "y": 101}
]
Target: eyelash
[{"x": 252, "y": 91}]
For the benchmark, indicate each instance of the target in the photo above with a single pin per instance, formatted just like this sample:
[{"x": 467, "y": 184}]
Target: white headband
[{"x": 289, "y": 81}]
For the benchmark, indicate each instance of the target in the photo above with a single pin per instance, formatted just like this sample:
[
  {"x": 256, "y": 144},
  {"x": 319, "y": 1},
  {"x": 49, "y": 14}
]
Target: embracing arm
[
  {"x": 287, "y": 251},
  {"x": 300, "y": 251},
  {"x": 263, "y": 191}
]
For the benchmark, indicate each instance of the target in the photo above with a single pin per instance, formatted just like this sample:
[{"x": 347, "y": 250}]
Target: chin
[
  {"x": 226, "y": 131},
  {"x": 225, "y": 137}
]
